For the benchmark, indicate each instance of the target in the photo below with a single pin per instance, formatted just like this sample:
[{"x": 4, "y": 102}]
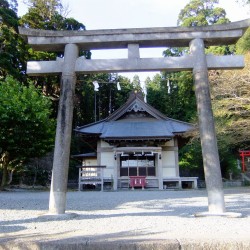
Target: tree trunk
[
  {"x": 5, "y": 162},
  {"x": 36, "y": 170},
  {"x": 11, "y": 176},
  {"x": 21, "y": 179}
]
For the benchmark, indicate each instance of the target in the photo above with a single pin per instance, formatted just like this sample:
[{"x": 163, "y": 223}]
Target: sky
[{"x": 116, "y": 14}]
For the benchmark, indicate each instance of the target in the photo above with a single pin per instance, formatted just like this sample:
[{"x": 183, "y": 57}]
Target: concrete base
[
  {"x": 226, "y": 214},
  {"x": 50, "y": 216}
]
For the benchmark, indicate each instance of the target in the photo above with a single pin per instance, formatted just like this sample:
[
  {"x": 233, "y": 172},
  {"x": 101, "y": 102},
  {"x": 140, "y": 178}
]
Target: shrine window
[{"x": 137, "y": 165}]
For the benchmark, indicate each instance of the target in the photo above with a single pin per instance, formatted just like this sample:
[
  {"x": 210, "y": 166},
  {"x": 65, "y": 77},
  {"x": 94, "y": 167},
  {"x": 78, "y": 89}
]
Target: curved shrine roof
[{"x": 136, "y": 120}]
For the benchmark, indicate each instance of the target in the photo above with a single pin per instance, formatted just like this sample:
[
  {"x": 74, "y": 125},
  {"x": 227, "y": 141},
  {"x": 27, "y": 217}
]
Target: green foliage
[
  {"x": 48, "y": 15},
  {"x": 155, "y": 93},
  {"x": 85, "y": 97},
  {"x": 176, "y": 89},
  {"x": 108, "y": 97},
  {"x": 12, "y": 51},
  {"x": 26, "y": 129},
  {"x": 228, "y": 156},
  {"x": 122, "y": 95},
  {"x": 243, "y": 45},
  {"x": 231, "y": 105},
  {"x": 173, "y": 95},
  {"x": 202, "y": 13},
  {"x": 221, "y": 50},
  {"x": 174, "y": 52},
  {"x": 190, "y": 156},
  {"x": 43, "y": 14},
  {"x": 136, "y": 83}
]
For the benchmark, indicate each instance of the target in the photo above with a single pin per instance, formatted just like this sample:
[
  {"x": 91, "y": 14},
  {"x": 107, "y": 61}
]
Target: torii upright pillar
[
  {"x": 57, "y": 203},
  {"x": 209, "y": 147}
]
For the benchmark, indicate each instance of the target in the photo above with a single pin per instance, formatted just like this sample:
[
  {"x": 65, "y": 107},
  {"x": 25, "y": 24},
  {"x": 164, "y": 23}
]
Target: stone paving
[{"x": 124, "y": 220}]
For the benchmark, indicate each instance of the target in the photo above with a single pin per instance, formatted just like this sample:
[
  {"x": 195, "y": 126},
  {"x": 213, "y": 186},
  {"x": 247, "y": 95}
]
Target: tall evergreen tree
[
  {"x": 225, "y": 117},
  {"x": 178, "y": 87},
  {"x": 173, "y": 95},
  {"x": 12, "y": 48},
  {"x": 47, "y": 15},
  {"x": 202, "y": 13}
]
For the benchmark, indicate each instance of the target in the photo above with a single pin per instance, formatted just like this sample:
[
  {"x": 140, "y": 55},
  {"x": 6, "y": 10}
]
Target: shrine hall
[{"x": 135, "y": 147}]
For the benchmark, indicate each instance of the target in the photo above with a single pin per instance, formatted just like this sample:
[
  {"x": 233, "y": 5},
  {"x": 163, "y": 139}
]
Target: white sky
[{"x": 116, "y": 14}]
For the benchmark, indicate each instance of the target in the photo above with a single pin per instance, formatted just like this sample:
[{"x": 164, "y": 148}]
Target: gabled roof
[
  {"x": 136, "y": 120},
  {"x": 136, "y": 103}
]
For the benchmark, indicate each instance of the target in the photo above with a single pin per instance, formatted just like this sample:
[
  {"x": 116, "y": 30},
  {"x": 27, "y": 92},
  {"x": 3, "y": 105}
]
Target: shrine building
[{"x": 136, "y": 146}]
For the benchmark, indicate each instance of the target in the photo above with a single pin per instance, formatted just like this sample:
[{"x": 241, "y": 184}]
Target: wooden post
[
  {"x": 160, "y": 174},
  {"x": 57, "y": 202},
  {"x": 210, "y": 153}
]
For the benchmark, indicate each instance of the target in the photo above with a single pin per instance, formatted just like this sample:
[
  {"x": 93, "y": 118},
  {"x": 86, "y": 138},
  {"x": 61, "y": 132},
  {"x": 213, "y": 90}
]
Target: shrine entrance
[
  {"x": 137, "y": 164},
  {"x": 196, "y": 38}
]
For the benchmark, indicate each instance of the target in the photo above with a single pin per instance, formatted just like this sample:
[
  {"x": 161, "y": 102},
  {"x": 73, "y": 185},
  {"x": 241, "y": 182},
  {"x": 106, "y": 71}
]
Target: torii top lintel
[{"x": 48, "y": 40}]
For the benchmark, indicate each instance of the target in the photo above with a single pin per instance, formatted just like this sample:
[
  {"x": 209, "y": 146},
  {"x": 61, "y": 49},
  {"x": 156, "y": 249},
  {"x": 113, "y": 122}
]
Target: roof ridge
[{"x": 134, "y": 97}]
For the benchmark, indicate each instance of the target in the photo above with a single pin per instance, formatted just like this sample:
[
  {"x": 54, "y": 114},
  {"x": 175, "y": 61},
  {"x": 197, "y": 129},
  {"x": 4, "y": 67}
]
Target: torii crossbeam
[{"x": 133, "y": 39}]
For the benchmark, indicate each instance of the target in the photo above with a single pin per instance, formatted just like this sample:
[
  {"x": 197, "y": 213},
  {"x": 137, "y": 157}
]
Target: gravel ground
[{"x": 124, "y": 216}]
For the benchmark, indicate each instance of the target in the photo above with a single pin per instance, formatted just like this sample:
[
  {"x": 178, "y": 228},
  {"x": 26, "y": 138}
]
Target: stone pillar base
[
  {"x": 65, "y": 216},
  {"x": 226, "y": 214}
]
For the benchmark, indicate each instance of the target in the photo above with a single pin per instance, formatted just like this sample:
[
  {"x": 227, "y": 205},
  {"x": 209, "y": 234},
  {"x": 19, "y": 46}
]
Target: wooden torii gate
[{"x": 195, "y": 37}]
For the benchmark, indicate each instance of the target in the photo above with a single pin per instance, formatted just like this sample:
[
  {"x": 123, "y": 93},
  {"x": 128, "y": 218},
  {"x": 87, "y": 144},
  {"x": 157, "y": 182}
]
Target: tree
[
  {"x": 202, "y": 13},
  {"x": 191, "y": 157},
  {"x": 173, "y": 95},
  {"x": 231, "y": 104},
  {"x": 12, "y": 47},
  {"x": 107, "y": 99},
  {"x": 177, "y": 88},
  {"x": 196, "y": 13},
  {"x": 243, "y": 45},
  {"x": 231, "y": 107},
  {"x": 26, "y": 127},
  {"x": 136, "y": 83},
  {"x": 43, "y": 14},
  {"x": 48, "y": 15}
]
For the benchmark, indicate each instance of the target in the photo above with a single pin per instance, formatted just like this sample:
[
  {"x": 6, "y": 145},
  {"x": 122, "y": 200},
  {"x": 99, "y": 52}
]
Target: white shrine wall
[{"x": 106, "y": 158}]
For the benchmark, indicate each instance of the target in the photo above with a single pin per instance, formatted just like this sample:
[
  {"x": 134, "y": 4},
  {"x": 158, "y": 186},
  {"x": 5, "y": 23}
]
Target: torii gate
[{"x": 195, "y": 37}]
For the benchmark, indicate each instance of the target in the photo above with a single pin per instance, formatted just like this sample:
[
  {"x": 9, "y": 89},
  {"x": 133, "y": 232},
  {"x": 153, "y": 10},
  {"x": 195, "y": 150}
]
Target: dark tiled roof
[
  {"x": 152, "y": 124},
  {"x": 136, "y": 129}
]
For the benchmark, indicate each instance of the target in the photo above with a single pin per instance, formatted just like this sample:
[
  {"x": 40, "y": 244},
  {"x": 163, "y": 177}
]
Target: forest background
[{"x": 28, "y": 105}]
